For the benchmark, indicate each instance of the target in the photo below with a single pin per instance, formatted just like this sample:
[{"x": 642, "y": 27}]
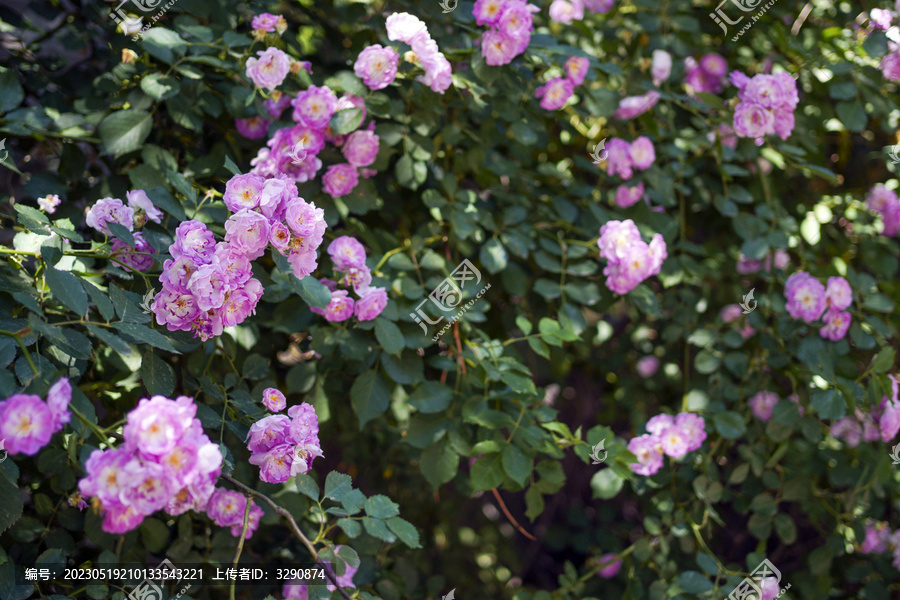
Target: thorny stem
[{"x": 283, "y": 513}]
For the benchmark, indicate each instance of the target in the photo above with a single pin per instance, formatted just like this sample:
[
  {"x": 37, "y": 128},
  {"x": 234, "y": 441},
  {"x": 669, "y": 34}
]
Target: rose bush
[{"x": 571, "y": 299}]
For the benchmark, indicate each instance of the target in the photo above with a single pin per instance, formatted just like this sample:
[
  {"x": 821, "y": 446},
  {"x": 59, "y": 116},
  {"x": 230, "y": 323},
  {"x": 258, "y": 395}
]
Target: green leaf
[
  {"x": 255, "y": 367},
  {"x": 707, "y": 563},
  {"x": 307, "y": 487},
  {"x": 884, "y": 360},
  {"x": 336, "y": 485},
  {"x": 157, "y": 375},
  {"x": 516, "y": 464},
  {"x": 405, "y": 531},
  {"x": 160, "y": 87},
  {"x": 346, "y": 121},
  {"x": 389, "y": 336},
  {"x": 351, "y": 528},
  {"x": 431, "y": 397},
  {"x": 694, "y": 582},
  {"x": 852, "y": 115},
  {"x": 67, "y": 289},
  {"x": 487, "y": 472},
  {"x": 155, "y": 534},
  {"x": 606, "y": 484},
  {"x": 369, "y": 396},
  {"x": 11, "y": 93},
  {"x": 142, "y": 333},
  {"x": 10, "y": 503},
  {"x": 706, "y": 362},
  {"x": 312, "y": 291},
  {"x": 124, "y": 131},
  {"x": 534, "y": 503},
  {"x": 381, "y": 507},
  {"x": 378, "y": 528},
  {"x": 439, "y": 463},
  {"x": 353, "y": 501},
  {"x": 493, "y": 256},
  {"x": 730, "y": 424},
  {"x": 121, "y": 232},
  {"x": 828, "y": 404},
  {"x": 163, "y": 44}
]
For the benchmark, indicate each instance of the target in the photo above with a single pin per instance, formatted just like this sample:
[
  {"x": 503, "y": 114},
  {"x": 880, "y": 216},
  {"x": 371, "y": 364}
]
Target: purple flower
[
  {"x": 276, "y": 104},
  {"x": 194, "y": 241},
  {"x": 576, "y": 68},
  {"x": 880, "y": 197},
  {"x": 252, "y": 128},
  {"x": 265, "y": 22},
  {"x": 555, "y": 93},
  {"x": 610, "y": 570},
  {"x": 361, "y": 148},
  {"x": 847, "y": 429},
  {"x": 275, "y": 464},
  {"x": 268, "y": 432},
  {"x": 889, "y": 422},
  {"x": 138, "y": 200},
  {"x": 694, "y": 428},
  {"x": 341, "y": 306},
  {"x": 627, "y": 196},
  {"x": 269, "y": 70},
  {"x": 566, "y": 11},
  {"x": 731, "y": 312},
  {"x": 357, "y": 278},
  {"x": 302, "y": 263},
  {"x": 499, "y": 48},
  {"x": 404, "y": 27},
  {"x": 615, "y": 237},
  {"x": 753, "y": 121},
  {"x": 110, "y": 210},
  {"x": 836, "y": 325},
  {"x": 315, "y": 106},
  {"x": 656, "y": 425},
  {"x": 49, "y": 203},
  {"x": 714, "y": 65},
  {"x": 647, "y": 366},
  {"x": 156, "y": 425},
  {"x": 345, "y": 580},
  {"x": 339, "y": 180},
  {"x": 234, "y": 264},
  {"x": 642, "y": 153},
  {"x": 237, "y": 307},
  {"x": 295, "y": 591},
  {"x": 304, "y": 424},
  {"x": 371, "y": 303},
  {"x": 377, "y": 66},
  {"x": 280, "y": 236},
  {"x": 147, "y": 488},
  {"x": 762, "y": 404},
  {"x": 487, "y": 12},
  {"x": 516, "y": 21},
  {"x": 618, "y": 158},
  {"x": 674, "y": 442},
  {"x": 634, "y": 106},
  {"x": 599, "y": 6},
  {"x": 876, "y": 539},
  {"x": 347, "y": 252},
  {"x": 138, "y": 258},
  {"x": 838, "y": 294},
  {"x": 660, "y": 66},
  {"x": 26, "y": 424},
  {"x": 805, "y": 296},
  {"x": 58, "y": 399},
  {"x": 649, "y": 454},
  {"x": 248, "y": 231},
  {"x": 303, "y": 217},
  {"x": 890, "y": 66},
  {"x": 208, "y": 286}
]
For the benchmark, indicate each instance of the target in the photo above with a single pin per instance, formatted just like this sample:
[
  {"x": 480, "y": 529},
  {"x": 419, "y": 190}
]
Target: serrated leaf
[
  {"x": 516, "y": 464},
  {"x": 67, "y": 289},
  {"x": 124, "y": 131},
  {"x": 381, "y": 507},
  {"x": 405, "y": 531},
  {"x": 369, "y": 396},
  {"x": 336, "y": 485},
  {"x": 389, "y": 336}
]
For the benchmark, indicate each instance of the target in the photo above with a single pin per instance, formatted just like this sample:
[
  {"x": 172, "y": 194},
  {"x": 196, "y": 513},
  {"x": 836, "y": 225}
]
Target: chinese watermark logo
[
  {"x": 596, "y": 449},
  {"x": 131, "y": 25},
  {"x": 894, "y": 153},
  {"x": 895, "y": 455},
  {"x": 145, "y": 304},
  {"x": 4, "y": 150},
  {"x": 149, "y": 590},
  {"x": 449, "y": 596},
  {"x": 3, "y": 449},
  {"x": 599, "y": 155},
  {"x": 720, "y": 18},
  {"x": 448, "y": 295},
  {"x": 448, "y": 6},
  {"x": 751, "y": 588},
  {"x": 746, "y": 303},
  {"x": 298, "y": 153}
]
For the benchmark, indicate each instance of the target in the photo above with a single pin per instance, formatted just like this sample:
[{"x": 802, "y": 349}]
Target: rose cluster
[
  {"x": 510, "y": 23},
  {"x": 807, "y": 299},
  {"x": 706, "y": 76},
  {"x": 283, "y": 446},
  {"x": 167, "y": 462},
  {"x": 884, "y": 202},
  {"x": 208, "y": 286},
  {"x": 136, "y": 213},
  {"x": 666, "y": 435},
  {"x": 556, "y": 92},
  {"x": 879, "y": 540},
  {"x": 766, "y": 106},
  {"x": 226, "y": 508},
  {"x": 567, "y": 11},
  {"x": 349, "y": 259},
  {"x": 630, "y": 259},
  {"x": 27, "y": 423},
  {"x": 267, "y": 23},
  {"x": 622, "y": 158},
  {"x": 292, "y": 152},
  {"x": 883, "y": 422},
  {"x": 269, "y": 70}
]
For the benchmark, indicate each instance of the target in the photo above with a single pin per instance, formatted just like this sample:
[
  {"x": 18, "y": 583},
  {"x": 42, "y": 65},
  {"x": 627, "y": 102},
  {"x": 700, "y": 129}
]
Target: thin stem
[
  {"x": 237, "y": 554},
  {"x": 287, "y": 516}
]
